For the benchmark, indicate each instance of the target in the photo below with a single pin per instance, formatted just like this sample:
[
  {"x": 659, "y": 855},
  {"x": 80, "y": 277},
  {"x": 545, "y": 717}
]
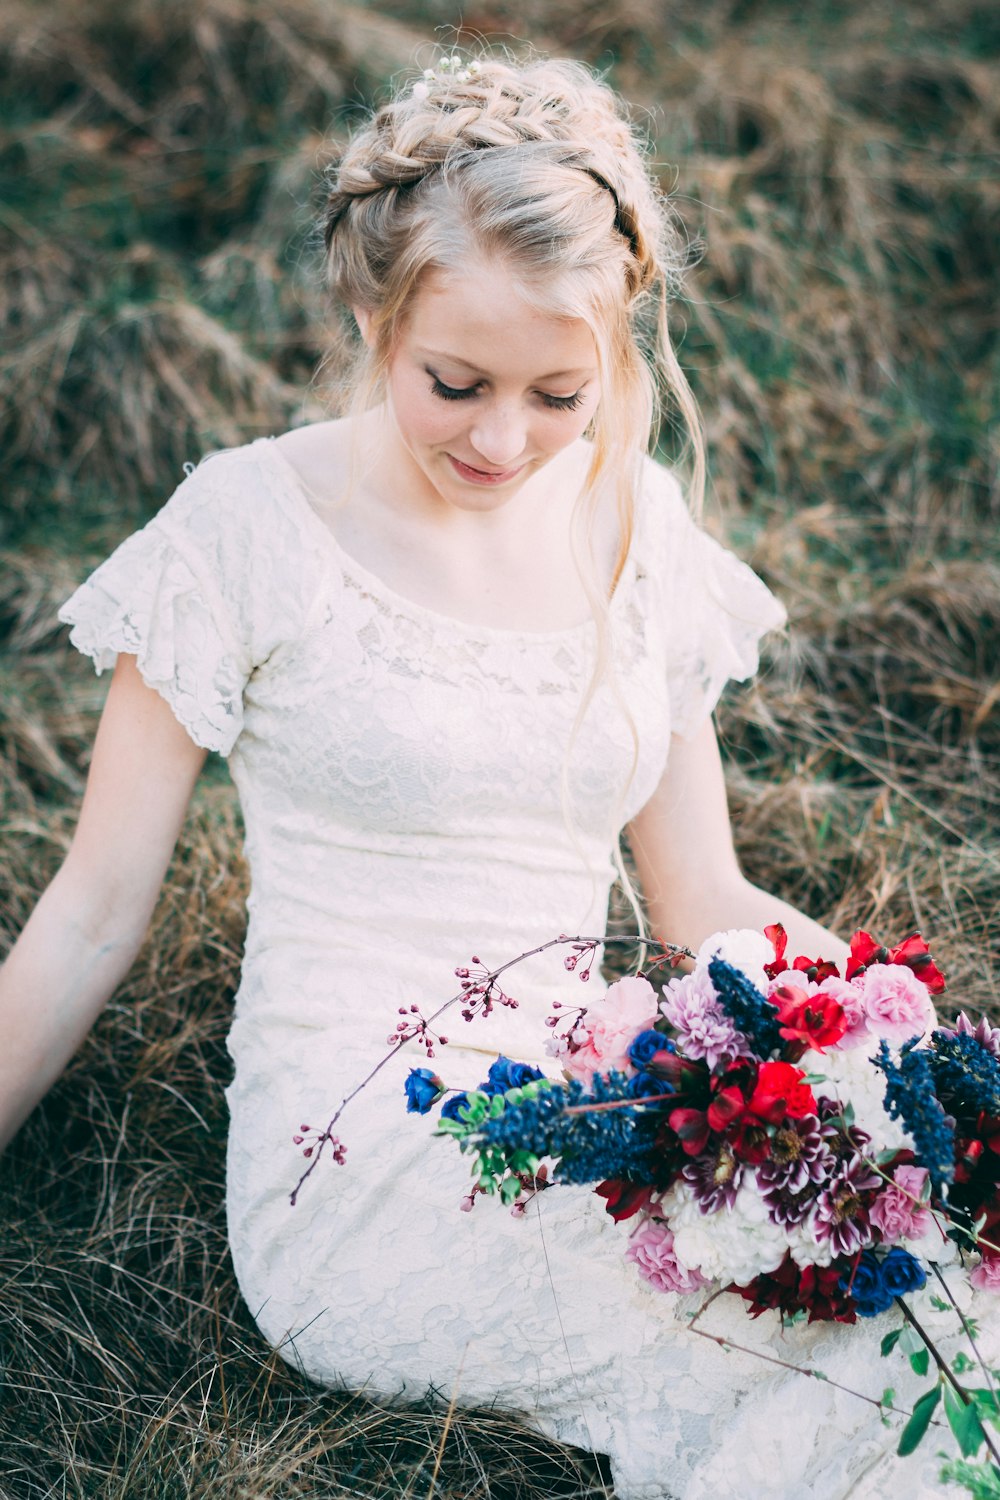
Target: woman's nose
[{"x": 498, "y": 435}]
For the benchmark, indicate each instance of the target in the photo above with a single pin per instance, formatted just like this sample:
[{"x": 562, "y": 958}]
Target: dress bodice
[{"x": 414, "y": 787}]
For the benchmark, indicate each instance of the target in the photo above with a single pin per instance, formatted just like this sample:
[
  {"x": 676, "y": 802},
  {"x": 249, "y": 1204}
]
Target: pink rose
[
  {"x": 606, "y": 1030},
  {"x": 895, "y": 1214},
  {"x": 986, "y": 1276},
  {"x": 897, "y": 1005},
  {"x": 651, "y": 1251}
]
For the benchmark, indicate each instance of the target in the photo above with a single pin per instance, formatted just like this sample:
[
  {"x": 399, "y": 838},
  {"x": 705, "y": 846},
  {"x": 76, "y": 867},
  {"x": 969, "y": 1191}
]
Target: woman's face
[{"x": 484, "y": 389}]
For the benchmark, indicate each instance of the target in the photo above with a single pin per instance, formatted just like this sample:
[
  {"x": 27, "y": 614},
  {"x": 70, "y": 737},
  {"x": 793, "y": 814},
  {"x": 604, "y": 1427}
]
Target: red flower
[
  {"x": 624, "y": 1198},
  {"x": 817, "y": 969},
  {"x": 789, "y": 1288},
  {"x": 817, "y": 1021},
  {"x": 692, "y": 1129},
  {"x": 913, "y": 952},
  {"x": 780, "y": 1091}
]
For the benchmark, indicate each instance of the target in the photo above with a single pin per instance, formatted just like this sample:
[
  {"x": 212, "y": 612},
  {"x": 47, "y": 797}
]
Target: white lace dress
[{"x": 400, "y": 774}]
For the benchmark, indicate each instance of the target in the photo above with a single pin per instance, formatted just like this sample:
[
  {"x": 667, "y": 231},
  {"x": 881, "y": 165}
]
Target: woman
[{"x": 452, "y": 644}]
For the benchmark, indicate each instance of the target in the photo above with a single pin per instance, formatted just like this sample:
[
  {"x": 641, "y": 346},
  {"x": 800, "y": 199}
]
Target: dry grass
[{"x": 157, "y": 298}]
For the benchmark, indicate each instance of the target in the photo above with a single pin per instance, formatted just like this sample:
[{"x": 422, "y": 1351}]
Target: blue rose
[
  {"x": 868, "y": 1288},
  {"x": 645, "y": 1047},
  {"x": 452, "y": 1105},
  {"x": 643, "y": 1085},
  {"x": 902, "y": 1273},
  {"x": 423, "y": 1088},
  {"x": 506, "y": 1074}
]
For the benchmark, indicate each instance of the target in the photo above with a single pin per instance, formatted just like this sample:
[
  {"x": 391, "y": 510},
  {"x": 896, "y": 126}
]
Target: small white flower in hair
[{"x": 447, "y": 69}]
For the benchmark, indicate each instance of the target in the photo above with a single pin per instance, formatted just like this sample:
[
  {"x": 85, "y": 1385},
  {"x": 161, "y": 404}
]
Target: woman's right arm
[{"x": 86, "y": 929}]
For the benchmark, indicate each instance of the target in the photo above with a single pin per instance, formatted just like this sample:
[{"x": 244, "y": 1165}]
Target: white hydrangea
[
  {"x": 851, "y": 1077},
  {"x": 742, "y": 947},
  {"x": 733, "y": 1244}
]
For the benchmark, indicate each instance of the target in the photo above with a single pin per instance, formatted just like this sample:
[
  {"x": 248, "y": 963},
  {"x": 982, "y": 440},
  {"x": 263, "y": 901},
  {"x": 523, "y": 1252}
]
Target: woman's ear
[{"x": 363, "y": 318}]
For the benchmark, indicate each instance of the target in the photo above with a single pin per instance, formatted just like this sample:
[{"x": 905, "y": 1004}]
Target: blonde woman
[{"x": 452, "y": 643}]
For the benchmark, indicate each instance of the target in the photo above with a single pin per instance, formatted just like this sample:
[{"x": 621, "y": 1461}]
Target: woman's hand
[
  {"x": 83, "y": 935},
  {"x": 682, "y": 841}
]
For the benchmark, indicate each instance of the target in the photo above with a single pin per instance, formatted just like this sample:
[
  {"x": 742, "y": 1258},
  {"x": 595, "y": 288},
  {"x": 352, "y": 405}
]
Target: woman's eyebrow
[{"x": 453, "y": 359}]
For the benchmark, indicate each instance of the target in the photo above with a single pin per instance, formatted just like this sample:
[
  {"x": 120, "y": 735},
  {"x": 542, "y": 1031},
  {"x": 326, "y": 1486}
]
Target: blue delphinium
[
  {"x": 750, "y": 1011},
  {"x": 591, "y": 1146},
  {"x": 963, "y": 1068},
  {"x": 910, "y": 1097}
]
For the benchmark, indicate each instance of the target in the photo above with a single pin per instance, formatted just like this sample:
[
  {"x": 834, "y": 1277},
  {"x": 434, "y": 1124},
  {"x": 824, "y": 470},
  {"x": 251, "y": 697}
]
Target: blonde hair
[{"x": 534, "y": 163}]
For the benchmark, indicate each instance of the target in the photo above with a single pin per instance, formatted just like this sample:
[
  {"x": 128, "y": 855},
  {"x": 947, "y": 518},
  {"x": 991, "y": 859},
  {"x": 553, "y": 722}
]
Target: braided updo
[{"x": 534, "y": 164}]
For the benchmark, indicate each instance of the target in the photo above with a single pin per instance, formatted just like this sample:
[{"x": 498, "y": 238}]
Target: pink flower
[
  {"x": 694, "y": 1010},
  {"x": 651, "y": 1250},
  {"x": 986, "y": 1276},
  {"x": 897, "y": 1005},
  {"x": 606, "y": 1030},
  {"x": 894, "y": 1213}
]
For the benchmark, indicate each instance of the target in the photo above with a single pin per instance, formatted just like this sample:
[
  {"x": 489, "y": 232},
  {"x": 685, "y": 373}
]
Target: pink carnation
[
  {"x": 897, "y": 1004},
  {"x": 848, "y": 996},
  {"x": 651, "y": 1251},
  {"x": 608, "y": 1029},
  {"x": 986, "y": 1276},
  {"x": 894, "y": 1213}
]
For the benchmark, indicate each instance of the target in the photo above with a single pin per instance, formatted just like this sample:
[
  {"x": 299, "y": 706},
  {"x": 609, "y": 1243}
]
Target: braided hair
[{"x": 537, "y": 165}]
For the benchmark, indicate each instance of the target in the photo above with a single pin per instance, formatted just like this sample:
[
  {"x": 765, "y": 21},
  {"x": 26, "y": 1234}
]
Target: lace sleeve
[
  {"x": 194, "y": 596},
  {"x": 714, "y": 608}
]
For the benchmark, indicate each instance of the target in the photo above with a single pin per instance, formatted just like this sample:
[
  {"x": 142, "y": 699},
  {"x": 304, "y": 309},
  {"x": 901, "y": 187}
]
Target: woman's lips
[{"x": 481, "y": 476}]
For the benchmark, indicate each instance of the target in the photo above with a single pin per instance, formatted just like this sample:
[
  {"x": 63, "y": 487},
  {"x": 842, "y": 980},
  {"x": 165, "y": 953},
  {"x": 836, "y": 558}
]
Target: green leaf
[
  {"x": 919, "y": 1422},
  {"x": 886, "y": 1403},
  {"x": 961, "y": 1364},
  {"x": 909, "y": 1340},
  {"x": 890, "y": 1341},
  {"x": 940, "y": 1304},
  {"x": 964, "y": 1423},
  {"x": 920, "y": 1362},
  {"x": 510, "y": 1190}
]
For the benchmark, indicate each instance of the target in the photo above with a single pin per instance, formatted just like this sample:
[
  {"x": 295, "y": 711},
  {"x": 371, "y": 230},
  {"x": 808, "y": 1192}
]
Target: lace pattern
[{"x": 401, "y": 779}]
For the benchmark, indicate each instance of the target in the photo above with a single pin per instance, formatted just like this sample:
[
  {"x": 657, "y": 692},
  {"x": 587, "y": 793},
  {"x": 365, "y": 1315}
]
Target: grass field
[{"x": 159, "y": 296}]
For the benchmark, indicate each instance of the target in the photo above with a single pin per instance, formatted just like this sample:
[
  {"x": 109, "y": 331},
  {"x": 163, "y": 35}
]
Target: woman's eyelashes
[{"x": 465, "y": 393}]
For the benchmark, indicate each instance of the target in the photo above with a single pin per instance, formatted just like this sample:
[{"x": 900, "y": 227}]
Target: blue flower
[
  {"x": 423, "y": 1089},
  {"x": 645, "y": 1047},
  {"x": 643, "y": 1085},
  {"x": 750, "y": 1011},
  {"x": 452, "y": 1105},
  {"x": 902, "y": 1272},
  {"x": 910, "y": 1097},
  {"x": 965, "y": 1073},
  {"x": 868, "y": 1288},
  {"x": 506, "y": 1074}
]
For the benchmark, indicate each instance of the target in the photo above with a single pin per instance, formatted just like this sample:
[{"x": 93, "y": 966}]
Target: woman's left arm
[{"x": 682, "y": 842}]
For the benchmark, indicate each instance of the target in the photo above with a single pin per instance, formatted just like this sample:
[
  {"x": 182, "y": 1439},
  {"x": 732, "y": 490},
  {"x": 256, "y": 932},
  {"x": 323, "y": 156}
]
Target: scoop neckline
[{"x": 379, "y": 589}]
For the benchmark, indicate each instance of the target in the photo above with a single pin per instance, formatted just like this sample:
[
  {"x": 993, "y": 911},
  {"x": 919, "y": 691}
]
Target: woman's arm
[
  {"x": 86, "y": 929},
  {"x": 682, "y": 842}
]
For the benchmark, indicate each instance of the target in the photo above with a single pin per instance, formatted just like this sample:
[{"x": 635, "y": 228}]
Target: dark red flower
[
  {"x": 791, "y": 1288},
  {"x": 624, "y": 1198},
  {"x": 780, "y": 1091},
  {"x": 817, "y": 1021},
  {"x": 692, "y": 1129}
]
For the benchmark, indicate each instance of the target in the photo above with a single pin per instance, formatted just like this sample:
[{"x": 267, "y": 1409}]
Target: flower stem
[{"x": 484, "y": 985}]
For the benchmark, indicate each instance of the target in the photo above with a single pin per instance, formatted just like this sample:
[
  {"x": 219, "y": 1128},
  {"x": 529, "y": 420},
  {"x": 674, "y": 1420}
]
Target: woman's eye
[
  {"x": 451, "y": 392},
  {"x": 562, "y": 403}
]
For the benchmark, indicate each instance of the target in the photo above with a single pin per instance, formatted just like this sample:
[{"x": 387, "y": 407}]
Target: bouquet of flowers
[{"x": 809, "y": 1140}]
